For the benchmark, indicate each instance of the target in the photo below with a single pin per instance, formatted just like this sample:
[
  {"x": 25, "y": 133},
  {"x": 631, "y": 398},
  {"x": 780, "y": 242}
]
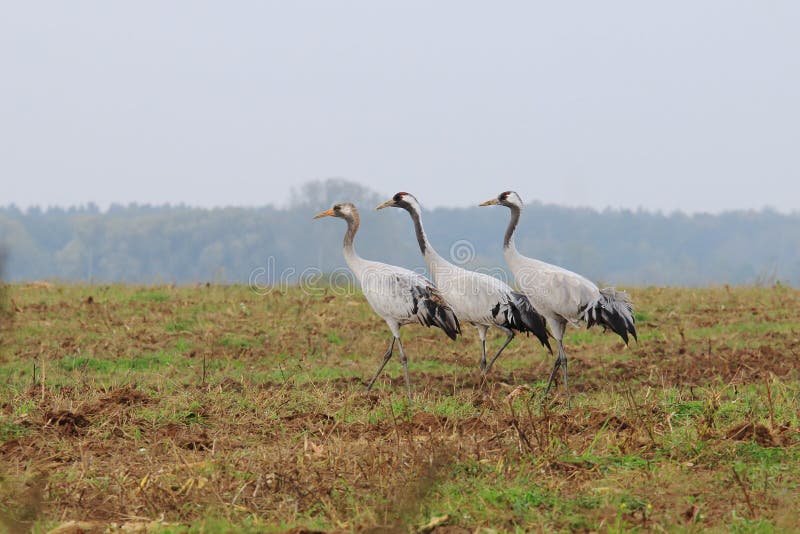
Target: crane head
[
  {"x": 340, "y": 209},
  {"x": 400, "y": 200},
  {"x": 506, "y": 198}
]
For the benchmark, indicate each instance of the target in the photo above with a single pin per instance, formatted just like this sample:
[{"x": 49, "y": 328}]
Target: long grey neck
[
  {"x": 349, "y": 237},
  {"x": 508, "y": 241},
  {"x": 422, "y": 239}
]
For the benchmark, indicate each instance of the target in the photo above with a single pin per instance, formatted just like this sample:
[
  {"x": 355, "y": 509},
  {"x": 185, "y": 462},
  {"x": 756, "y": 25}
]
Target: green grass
[
  {"x": 150, "y": 296},
  {"x": 10, "y": 430},
  {"x": 236, "y": 342},
  {"x": 144, "y": 362},
  {"x": 334, "y": 339},
  {"x": 181, "y": 325}
]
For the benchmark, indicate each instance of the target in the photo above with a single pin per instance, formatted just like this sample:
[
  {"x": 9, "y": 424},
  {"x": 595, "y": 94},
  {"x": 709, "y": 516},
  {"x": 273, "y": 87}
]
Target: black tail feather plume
[
  {"x": 612, "y": 310},
  {"x": 523, "y": 317},
  {"x": 432, "y": 310}
]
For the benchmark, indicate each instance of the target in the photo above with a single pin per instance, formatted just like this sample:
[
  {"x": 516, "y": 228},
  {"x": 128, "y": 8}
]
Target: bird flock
[{"x": 546, "y": 296}]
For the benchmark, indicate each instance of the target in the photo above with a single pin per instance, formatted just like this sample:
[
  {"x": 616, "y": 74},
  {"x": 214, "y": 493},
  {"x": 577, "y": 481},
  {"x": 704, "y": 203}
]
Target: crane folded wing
[
  {"x": 431, "y": 309},
  {"x": 523, "y": 317},
  {"x": 613, "y": 309}
]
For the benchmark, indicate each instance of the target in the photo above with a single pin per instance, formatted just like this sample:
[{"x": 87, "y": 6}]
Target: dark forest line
[{"x": 179, "y": 244}]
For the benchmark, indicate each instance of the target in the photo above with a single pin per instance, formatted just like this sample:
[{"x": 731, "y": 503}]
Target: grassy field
[{"x": 215, "y": 409}]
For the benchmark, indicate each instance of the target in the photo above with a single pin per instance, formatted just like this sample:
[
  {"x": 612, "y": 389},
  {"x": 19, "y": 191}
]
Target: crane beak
[
  {"x": 326, "y": 213},
  {"x": 490, "y": 202},
  {"x": 386, "y": 204}
]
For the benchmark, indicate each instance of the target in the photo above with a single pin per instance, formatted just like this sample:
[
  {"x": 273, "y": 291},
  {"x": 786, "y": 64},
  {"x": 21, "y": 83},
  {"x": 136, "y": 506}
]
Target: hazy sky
[{"x": 689, "y": 105}]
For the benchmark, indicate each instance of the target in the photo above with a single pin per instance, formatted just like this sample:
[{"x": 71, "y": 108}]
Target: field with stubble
[{"x": 216, "y": 409}]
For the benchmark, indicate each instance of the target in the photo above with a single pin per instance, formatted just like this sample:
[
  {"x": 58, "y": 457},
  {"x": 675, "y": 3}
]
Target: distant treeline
[{"x": 166, "y": 244}]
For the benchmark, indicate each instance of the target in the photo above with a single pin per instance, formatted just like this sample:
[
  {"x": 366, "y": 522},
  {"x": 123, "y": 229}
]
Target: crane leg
[
  {"x": 566, "y": 382},
  {"x": 386, "y": 358},
  {"x": 404, "y": 360},
  {"x": 510, "y": 334},
  {"x": 482, "y": 333},
  {"x": 556, "y": 365},
  {"x": 561, "y": 361}
]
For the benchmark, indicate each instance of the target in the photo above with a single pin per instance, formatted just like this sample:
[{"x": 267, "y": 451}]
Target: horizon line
[{"x": 94, "y": 207}]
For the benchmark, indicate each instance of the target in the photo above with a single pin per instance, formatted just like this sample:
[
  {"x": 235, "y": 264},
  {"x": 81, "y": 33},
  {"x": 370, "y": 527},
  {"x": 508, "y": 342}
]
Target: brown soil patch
[
  {"x": 452, "y": 529},
  {"x": 784, "y": 437},
  {"x": 315, "y": 422},
  {"x": 425, "y": 422},
  {"x": 191, "y": 438},
  {"x": 229, "y": 384},
  {"x": 125, "y": 396},
  {"x": 474, "y": 425},
  {"x": 78, "y": 527},
  {"x": 68, "y": 422},
  {"x": 10, "y": 446}
]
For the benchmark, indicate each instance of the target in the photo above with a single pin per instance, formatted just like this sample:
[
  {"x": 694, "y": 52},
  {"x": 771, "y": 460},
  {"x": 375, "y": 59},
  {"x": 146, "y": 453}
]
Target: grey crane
[
  {"x": 562, "y": 296},
  {"x": 399, "y": 296}
]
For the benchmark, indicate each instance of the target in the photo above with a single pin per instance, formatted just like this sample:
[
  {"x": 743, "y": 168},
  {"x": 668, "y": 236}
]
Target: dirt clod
[
  {"x": 125, "y": 396},
  {"x": 67, "y": 421},
  {"x": 78, "y": 527},
  {"x": 752, "y": 431},
  {"x": 191, "y": 437}
]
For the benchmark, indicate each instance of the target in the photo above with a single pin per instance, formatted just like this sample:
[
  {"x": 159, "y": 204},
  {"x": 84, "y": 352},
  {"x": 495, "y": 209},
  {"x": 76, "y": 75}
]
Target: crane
[
  {"x": 399, "y": 296},
  {"x": 477, "y": 298},
  {"x": 562, "y": 296}
]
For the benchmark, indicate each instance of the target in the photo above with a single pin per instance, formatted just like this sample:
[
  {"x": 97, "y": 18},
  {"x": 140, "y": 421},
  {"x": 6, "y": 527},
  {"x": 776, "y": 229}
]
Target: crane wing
[{"x": 404, "y": 296}]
